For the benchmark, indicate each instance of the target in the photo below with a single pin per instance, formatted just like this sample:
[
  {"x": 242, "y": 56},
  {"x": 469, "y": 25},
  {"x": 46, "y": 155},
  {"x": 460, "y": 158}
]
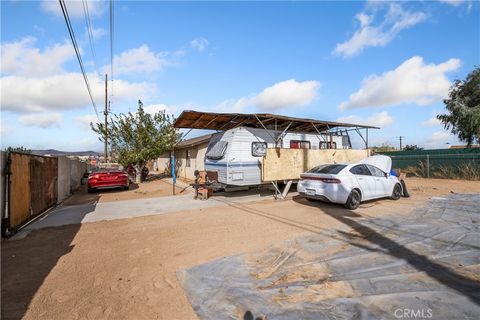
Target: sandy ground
[
  {"x": 153, "y": 187},
  {"x": 125, "y": 269}
]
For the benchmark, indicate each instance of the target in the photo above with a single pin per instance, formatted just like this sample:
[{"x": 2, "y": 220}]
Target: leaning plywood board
[{"x": 286, "y": 164}]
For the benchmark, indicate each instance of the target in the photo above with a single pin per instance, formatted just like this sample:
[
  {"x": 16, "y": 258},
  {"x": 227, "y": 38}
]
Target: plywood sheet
[
  {"x": 286, "y": 164},
  {"x": 19, "y": 189}
]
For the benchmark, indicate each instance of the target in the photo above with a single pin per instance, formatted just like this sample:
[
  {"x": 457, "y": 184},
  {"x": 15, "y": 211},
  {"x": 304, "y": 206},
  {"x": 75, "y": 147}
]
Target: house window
[
  {"x": 259, "y": 149},
  {"x": 299, "y": 144},
  {"x": 187, "y": 158},
  {"x": 328, "y": 145}
]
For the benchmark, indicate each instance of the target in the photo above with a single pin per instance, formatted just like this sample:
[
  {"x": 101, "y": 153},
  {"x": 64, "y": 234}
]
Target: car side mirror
[{"x": 387, "y": 174}]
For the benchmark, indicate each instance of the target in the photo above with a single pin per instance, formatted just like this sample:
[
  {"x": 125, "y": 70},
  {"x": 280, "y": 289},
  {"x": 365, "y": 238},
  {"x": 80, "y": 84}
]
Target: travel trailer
[{"x": 236, "y": 154}]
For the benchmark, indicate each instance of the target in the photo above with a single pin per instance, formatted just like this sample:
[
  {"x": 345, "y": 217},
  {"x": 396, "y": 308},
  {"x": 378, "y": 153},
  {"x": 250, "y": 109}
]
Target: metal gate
[{"x": 32, "y": 187}]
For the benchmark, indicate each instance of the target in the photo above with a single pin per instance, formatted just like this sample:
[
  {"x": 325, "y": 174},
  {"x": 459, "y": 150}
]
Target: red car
[{"x": 106, "y": 179}]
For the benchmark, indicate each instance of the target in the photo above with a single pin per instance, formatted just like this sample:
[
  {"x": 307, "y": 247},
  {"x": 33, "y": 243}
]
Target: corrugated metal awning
[{"x": 224, "y": 121}]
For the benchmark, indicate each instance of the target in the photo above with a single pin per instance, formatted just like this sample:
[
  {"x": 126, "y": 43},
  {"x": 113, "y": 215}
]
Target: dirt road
[{"x": 125, "y": 269}]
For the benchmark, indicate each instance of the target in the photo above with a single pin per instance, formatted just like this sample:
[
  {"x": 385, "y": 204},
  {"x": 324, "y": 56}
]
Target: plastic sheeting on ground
[{"x": 424, "y": 264}]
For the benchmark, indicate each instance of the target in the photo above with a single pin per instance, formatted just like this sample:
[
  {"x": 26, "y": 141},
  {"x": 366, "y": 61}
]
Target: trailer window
[
  {"x": 217, "y": 151},
  {"x": 259, "y": 149},
  {"x": 299, "y": 144},
  {"x": 328, "y": 145}
]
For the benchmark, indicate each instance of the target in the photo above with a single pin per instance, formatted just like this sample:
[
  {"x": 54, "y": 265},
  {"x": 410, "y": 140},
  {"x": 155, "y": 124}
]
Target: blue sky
[{"x": 388, "y": 64}]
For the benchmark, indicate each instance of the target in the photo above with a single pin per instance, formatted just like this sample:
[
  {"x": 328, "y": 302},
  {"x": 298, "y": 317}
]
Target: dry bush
[
  {"x": 465, "y": 171},
  {"x": 469, "y": 171},
  {"x": 419, "y": 171}
]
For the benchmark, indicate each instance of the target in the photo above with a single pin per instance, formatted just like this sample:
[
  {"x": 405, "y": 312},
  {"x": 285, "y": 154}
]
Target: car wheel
[
  {"x": 404, "y": 188},
  {"x": 91, "y": 190},
  {"x": 397, "y": 192},
  {"x": 353, "y": 200}
]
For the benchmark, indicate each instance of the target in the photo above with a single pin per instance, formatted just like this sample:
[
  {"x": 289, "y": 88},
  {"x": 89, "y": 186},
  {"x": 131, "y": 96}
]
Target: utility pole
[
  {"x": 400, "y": 138},
  {"x": 105, "y": 113}
]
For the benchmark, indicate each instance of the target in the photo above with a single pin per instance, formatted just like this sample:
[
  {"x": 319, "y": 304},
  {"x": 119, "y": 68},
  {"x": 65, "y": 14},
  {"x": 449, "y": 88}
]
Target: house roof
[
  {"x": 193, "y": 141},
  {"x": 224, "y": 121}
]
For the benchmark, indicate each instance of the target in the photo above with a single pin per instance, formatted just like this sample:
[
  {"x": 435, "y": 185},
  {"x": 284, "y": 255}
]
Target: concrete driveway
[{"x": 99, "y": 211}]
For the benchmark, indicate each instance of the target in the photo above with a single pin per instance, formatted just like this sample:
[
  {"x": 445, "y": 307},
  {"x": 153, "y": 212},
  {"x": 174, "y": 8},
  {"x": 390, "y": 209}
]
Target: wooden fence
[{"x": 32, "y": 186}]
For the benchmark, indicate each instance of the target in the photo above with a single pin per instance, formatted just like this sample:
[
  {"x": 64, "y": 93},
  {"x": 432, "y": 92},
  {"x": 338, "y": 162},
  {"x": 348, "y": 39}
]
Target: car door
[
  {"x": 382, "y": 183},
  {"x": 365, "y": 180}
]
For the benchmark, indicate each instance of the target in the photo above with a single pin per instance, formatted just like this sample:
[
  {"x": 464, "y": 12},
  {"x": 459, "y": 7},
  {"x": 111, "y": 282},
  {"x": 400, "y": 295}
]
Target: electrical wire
[
  {"x": 77, "y": 52},
  {"x": 112, "y": 30},
  {"x": 90, "y": 32}
]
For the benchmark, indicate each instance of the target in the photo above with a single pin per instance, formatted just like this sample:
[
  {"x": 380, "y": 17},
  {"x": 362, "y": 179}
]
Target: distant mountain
[{"x": 54, "y": 152}]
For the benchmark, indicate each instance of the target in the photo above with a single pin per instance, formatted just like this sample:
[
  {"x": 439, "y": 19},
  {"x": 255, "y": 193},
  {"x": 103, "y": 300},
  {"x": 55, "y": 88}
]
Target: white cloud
[
  {"x": 61, "y": 92},
  {"x": 411, "y": 82},
  {"x": 288, "y": 93},
  {"x": 141, "y": 60},
  {"x": 454, "y": 3},
  {"x": 155, "y": 108},
  {"x": 34, "y": 80},
  {"x": 85, "y": 120},
  {"x": 41, "y": 120},
  {"x": 74, "y": 7},
  {"x": 199, "y": 44},
  {"x": 432, "y": 122},
  {"x": 395, "y": 20},
  {"x": 21, "y": 58},
  {"x": 442, "y": 139},
  {"x": 439, "y": 136},
  {"x": 381, "y": 119},
  {"x": 97, "y": 33}
]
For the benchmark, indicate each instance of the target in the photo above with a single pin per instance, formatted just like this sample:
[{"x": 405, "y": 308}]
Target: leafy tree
[
  {"x": 384, "y": 147},
  {"x": 135, "y": 138},
  {"x": 412, "y": 147},
  {"x": 18, "y": 149},
  {"x": 463, "y": 106}
]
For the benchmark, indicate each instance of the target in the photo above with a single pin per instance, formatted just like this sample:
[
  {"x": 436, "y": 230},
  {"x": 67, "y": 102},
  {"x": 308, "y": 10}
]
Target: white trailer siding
[{"x": 239, "y": 166}]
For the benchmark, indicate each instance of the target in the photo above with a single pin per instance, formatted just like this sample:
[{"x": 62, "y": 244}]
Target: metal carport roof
[{"x": 190, "y": 119}]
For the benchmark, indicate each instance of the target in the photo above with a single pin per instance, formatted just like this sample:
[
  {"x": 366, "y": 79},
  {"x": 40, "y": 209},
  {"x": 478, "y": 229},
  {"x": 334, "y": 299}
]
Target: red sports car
[{"x": 106, "y": 179}]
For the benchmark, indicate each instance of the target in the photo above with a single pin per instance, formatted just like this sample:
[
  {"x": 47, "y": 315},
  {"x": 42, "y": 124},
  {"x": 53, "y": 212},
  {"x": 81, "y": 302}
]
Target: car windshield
[{"x": 328, "y": 168}]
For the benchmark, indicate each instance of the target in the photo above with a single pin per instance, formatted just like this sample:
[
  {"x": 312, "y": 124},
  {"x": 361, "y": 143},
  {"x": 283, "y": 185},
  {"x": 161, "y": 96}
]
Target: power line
[
  {"x": 90, "y": 32},
  {"x": 112, "y": 17},
  {"x": 77, "y": 52}
]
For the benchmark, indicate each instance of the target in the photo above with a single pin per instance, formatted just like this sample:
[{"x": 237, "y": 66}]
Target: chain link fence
[{"x": 437, "y": 164}]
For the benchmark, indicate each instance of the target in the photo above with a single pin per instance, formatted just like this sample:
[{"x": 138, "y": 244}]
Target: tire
[
  {"x": 397, "y": 192},
  {"x": 353, "y": 200},
  {"x": 90, "y": 190},
  {"x": 404, "y": 188}
]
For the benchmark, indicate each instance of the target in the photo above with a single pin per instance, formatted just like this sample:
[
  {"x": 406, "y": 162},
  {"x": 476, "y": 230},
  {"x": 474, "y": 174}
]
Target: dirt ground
[
  {"x": 153, "y": 187},
  {"x": 125, "y": 269}
]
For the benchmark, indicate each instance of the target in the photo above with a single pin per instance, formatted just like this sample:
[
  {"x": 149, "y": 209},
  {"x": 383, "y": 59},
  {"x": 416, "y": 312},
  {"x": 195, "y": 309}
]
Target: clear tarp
[{"x": 423, "y": 264}]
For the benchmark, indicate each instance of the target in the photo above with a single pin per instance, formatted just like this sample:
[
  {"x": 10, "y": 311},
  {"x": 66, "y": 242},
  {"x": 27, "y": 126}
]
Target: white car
[{"x": 350, "y": 184}]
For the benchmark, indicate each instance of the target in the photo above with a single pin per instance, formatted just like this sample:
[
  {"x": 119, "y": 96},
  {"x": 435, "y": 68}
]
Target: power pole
[
  {"x": 400, "y": 138},
  {"x": 105, "y": 113}
]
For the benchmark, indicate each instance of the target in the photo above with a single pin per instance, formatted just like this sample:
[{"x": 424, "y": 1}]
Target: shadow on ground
[{"x": 27, "y": 262}]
